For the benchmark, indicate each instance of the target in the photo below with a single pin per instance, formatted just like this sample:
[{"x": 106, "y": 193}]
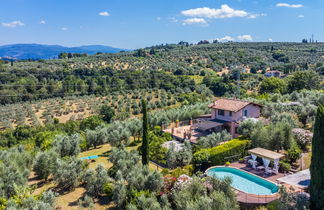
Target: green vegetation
[
  {"x": 214, "y": 139},
  {"x": 276, "y": 136},
  {"x": 145, "y": 144},
  {"x": 166, "y": 68},
  {"x": 303, "y": 80},
  {"x": 317, "y": 167},
  {"x": 156, "y": 138},
  {"x": 107, "y": 113},
  {"x": 56, "y": 111},
  {"x": 273, "y": 85},
  {"x": 235, "y": 149}
]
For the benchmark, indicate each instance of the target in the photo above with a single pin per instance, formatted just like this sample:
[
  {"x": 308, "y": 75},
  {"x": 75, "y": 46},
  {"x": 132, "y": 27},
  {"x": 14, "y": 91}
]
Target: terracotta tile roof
[{"x": 233, "y": 105}]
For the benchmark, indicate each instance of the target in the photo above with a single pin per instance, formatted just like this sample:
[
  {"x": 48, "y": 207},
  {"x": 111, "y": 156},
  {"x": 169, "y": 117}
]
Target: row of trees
[
  {"x": 24, "y": 86},
  {"x": 299, "y": 80}
]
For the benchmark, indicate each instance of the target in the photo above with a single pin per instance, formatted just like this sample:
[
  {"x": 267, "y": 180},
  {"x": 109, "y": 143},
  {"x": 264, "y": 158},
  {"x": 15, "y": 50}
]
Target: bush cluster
[{"x": 217, "y": 155}]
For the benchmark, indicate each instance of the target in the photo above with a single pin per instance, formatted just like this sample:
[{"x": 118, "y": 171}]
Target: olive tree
[
  {"x": 67, "y": 145},
  {"x": 214, "y": 139},
  {"x": 68, "y": 173},
  {"x": 45, "y": 164},
  {"x": 95, "y": 180}
]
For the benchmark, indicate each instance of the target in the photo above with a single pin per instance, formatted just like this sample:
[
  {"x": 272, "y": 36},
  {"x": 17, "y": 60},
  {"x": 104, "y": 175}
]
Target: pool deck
[
  {"x": 180, "y": 131},
  {"x": 300, "y": 179},
  {"x": 243, "y": 197}
]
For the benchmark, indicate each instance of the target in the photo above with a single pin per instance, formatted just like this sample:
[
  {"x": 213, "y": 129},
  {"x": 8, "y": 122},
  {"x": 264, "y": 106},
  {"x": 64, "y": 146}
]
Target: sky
[{"x": 132, "y": 24}]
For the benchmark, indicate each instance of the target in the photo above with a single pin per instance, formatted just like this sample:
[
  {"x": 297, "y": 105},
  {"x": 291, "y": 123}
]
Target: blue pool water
[
  {"x": 90, "y": 157},
  {"x": 244, "y": 181}
]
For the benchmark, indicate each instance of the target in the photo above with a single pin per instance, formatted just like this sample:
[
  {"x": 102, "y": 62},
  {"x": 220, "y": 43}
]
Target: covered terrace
[
  {"x": 267, "y": 156},
  {"x": 194, "y": 131}
]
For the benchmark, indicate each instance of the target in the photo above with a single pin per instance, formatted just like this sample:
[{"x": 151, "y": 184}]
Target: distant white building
[{"x": 273, "y": 73}]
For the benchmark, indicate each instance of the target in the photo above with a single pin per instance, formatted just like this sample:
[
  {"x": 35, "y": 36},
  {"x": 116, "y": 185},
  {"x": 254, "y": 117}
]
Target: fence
[
  {"x": 255, "y": 199},
  {"x": 183, "y": 123}
]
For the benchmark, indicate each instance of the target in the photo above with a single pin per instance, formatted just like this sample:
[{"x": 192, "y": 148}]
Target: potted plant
[
  {"x": 227, "y": 163},
  {"x": 241, "y": 160}
]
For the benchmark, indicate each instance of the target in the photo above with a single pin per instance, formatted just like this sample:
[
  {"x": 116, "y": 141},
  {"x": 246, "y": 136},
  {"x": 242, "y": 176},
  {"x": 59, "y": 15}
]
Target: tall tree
[
  {"x": 303, "y": 80},
  {"x": 317, "y": 164},
  {"x": 145, "y": 134},
  {"x": 107, "y": 113}
]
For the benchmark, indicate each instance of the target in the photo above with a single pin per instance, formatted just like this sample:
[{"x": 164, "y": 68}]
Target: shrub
[
  {"x": 214, "y": 139},
  {"x": 217, "y": 155},
  {"x": 303, "y": 137},
  {"x": 284, "y": 167},
  {"x": 188, "y": 170},
  {"x": 294, "y": 153},
  {"x": 108, "y": 189},
  {"x": 273, "y": 205}
]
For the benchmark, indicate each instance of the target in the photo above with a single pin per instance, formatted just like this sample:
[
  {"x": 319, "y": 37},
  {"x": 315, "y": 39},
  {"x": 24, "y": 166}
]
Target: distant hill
[{"x": 39, "y": 51}]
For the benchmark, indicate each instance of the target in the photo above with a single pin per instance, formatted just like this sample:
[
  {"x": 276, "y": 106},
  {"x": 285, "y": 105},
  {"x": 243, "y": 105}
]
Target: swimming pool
[{"x": 244, "y": 181}]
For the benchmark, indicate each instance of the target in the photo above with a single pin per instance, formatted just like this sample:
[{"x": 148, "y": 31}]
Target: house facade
[
  {"x": 225, "y": 114},
  {"x": 273, "y": 73},
  {"x": 230, "y": 112}
]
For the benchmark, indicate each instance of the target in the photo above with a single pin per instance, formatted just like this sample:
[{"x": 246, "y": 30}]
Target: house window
[
  {"x": 221, "y": 112},
  {"x": 230, "y": 114},
  {"x": 245, "y": 113}
]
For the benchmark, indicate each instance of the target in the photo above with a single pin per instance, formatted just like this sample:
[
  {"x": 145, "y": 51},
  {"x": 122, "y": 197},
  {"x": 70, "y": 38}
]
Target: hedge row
[{"x": 216, "y": 155}]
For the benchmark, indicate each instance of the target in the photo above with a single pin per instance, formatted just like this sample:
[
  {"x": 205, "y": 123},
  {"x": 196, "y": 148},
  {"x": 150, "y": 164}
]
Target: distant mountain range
[{"x": 39, "y": 51}]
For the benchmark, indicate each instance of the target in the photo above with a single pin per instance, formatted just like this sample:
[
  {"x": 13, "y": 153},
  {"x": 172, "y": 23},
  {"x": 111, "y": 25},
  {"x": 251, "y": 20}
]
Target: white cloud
[
  {"x": 225, "y": 39},
  {"x": 245, "y": 38},
  {"x": 198, "y": 21},
  {"x": 224, "y": 12},
  {"x": 158, "y": 18},
  {"x": 13, "y": 24},
  {"x": 253, "y": 16},
  {"x": 300, "y": 16},
  {"x": 105, "y": 13},
  {"x": 270, "y": 40},
  {"x": 289, "y": 5},
  {"x": 64, "y": 28},
  {"x": 42, "y": 22}
]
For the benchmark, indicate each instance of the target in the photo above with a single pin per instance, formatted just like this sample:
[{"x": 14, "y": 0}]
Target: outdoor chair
[{"x": 268, "y": 171}]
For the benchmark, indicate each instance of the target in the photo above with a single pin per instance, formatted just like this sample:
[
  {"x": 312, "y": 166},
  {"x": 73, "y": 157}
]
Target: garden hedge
[{"x": 216, "y": 155}]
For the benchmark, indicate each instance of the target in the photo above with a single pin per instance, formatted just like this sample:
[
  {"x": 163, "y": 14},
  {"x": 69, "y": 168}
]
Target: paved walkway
[{"x": 300, "y": 179}]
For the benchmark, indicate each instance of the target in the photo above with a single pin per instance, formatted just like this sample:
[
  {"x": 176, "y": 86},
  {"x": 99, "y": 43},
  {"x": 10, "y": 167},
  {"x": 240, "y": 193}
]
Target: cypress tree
[
  {"x": 145, "y": 134},
  {"x": 317, "y": 164}
]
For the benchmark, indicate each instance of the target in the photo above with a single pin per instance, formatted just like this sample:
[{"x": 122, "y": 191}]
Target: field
[{"x": 77, "y": 108}]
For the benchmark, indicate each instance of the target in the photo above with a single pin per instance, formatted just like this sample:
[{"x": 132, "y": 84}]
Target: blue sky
[{"x": 138, "y": 23}]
